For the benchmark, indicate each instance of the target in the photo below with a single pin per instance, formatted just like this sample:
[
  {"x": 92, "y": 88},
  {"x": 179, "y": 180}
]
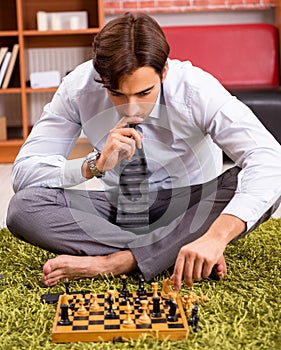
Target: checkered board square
[{"x": 93, "y": 326}]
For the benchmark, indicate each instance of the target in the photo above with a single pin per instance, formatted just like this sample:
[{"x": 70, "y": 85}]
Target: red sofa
[{"x": 244, "y": 57}]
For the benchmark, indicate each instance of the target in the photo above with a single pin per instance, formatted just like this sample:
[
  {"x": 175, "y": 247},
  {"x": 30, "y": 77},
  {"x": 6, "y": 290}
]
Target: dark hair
[{"x": 126, "y": 43}]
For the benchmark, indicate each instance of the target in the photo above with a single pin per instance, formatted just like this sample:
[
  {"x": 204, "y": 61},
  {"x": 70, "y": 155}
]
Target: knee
[{"x": 15, "y": 214}]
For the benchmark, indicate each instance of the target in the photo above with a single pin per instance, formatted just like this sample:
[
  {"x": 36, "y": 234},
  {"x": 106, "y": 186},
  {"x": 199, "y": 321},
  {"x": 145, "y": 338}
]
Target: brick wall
[{"x": 121, "y": 6}]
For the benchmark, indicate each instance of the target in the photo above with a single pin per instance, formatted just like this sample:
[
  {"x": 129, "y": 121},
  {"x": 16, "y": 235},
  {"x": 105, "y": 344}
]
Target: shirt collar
[{"x": 155, "y": 113}]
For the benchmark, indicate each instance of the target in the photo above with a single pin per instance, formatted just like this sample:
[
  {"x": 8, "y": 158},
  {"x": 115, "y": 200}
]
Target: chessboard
[{"x": 112, "y": 315}]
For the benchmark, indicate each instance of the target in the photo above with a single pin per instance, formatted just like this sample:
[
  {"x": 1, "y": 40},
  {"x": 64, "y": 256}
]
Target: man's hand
[
  {"x": 196, "y": 259},
  {"x": 121, "y": 143}
]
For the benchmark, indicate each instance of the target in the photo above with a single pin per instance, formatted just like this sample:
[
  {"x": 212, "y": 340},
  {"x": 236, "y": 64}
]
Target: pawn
[
  {"x": 144, "y": 318},
  {"x": 94, "y": 305},
  {"x": 82, "y": 310},
  {"x": 128, "y": 322}
]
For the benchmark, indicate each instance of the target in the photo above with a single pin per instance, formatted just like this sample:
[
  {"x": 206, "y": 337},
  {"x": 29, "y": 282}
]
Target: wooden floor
[{"x": 6, "y": 193}]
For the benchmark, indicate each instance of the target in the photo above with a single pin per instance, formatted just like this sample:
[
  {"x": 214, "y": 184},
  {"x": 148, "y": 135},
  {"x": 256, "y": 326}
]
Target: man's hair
[{"x": 127, "y": 43}]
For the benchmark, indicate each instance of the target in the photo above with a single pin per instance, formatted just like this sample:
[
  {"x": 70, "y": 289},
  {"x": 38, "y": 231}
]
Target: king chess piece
[{"x": 133, "y": 194}]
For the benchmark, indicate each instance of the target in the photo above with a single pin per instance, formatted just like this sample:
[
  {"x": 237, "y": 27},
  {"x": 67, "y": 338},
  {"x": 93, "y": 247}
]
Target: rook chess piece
[{"x": 156, "y": 307}]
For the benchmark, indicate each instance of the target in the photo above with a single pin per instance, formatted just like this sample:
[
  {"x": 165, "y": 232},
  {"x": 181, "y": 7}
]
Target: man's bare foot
[{"x": 76, "y": 267}]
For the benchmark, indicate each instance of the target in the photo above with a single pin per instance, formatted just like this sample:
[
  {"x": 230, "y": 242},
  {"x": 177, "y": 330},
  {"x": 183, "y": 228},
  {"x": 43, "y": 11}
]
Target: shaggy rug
[{"x": 243, "y": 311}]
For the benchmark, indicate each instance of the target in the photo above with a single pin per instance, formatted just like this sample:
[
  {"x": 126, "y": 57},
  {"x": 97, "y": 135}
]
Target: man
[{"x": 183, "y": 118}]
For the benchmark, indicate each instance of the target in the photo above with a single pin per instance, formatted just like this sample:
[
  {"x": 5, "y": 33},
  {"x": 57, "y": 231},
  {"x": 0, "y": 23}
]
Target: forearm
[
  {"x": 46, "y": 171},
  {"x": 225, "y": 228}
]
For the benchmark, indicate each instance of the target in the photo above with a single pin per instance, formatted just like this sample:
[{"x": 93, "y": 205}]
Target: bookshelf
[{"x": 18, "y": 25}]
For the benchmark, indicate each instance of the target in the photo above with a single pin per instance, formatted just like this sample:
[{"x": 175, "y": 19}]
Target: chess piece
[
  {"x": 124, "y": 290},
  {"x": 193, "y": 321},
  {"x": 66, "y": 284},
  {"x": 156, "y": 307},
  {"x": 144, "y": 318},
  {"x": 172, "y": 317},
  {"x": 128, "y": 322},
  {"x": 187, "y": 304},
  {"x": 82, "y": 310},
  {"x": 94, "y": 305},
  {"x": 110, "y": 313},
  {"x": 64, "y": 307},
  {"x": 166, "y": 288},
  {"x": 141, "y": 292},
  {"x": 154, "y": 286}
]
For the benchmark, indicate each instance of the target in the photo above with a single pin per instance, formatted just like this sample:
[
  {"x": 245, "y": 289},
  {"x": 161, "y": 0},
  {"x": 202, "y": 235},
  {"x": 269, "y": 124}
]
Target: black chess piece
[
  {"x": 141, "y": 292},
  {"x": 64, "y": 315},
  {"x": 110, "y": 313},
  {"x": 156, "y": 307},
  {"x": 124, "y": 290},
  {"x": 172, "y": 317},
  {"x": 193, "y": 321},
  {"x": 67, "y": 285}
]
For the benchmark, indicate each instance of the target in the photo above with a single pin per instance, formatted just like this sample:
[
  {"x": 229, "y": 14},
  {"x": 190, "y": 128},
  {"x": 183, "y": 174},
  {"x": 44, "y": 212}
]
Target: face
[{"x": 137, "y": 93}]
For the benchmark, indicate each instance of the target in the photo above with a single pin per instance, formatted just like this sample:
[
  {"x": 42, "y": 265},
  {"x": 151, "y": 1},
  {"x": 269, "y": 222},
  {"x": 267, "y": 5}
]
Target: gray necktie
[{"x": 133, "y": 194}]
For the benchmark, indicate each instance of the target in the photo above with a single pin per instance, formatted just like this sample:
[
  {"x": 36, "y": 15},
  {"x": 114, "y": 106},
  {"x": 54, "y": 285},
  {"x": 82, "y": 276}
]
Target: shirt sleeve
[
  {"x": 42, "y": 160},
  {"x": 239, "y": 133}
]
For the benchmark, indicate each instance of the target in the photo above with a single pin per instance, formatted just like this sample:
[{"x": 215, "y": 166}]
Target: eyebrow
[{"x": 136, "y": 93}]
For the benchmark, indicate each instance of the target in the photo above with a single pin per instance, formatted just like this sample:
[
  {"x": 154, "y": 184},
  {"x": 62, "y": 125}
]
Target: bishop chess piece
[
  {"x": 110, "y": 300},
  {"x": 128, "y": 322},
  {"x": 133, "y": 195}
]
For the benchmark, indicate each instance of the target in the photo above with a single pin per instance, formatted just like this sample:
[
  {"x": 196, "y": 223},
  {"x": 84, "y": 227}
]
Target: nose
[{"x": 132, "y": 109}]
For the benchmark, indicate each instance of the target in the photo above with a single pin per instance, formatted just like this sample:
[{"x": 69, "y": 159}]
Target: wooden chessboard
[{"x": 94, "y": 327}]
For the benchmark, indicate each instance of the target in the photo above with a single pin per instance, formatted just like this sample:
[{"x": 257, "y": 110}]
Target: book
[
  {"x": 4, "y": 66},
  {"x": 3, "y": 51},
  {"x": 11, "y": 66}
]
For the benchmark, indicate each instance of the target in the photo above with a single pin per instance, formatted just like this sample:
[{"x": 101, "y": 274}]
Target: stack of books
[{"x": 7, "y": 64}]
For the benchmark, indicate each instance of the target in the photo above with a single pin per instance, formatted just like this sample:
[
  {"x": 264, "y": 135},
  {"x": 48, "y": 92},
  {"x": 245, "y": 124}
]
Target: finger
[
  {"x": 178, "y": 272},
  {"x": 197, "y": 269},
  {"x": 188, "y": 272},
  {"x": 221, "y": 267},
  {"x": 127, "y": 148},
  {"x": 207, "y": 269}
]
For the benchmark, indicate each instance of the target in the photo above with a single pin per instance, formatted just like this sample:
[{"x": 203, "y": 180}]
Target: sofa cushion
[{"x": 236, "y": 54}]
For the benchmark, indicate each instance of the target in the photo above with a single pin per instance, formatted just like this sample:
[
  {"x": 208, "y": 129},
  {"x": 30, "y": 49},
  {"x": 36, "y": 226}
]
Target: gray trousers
[{"x": 82, "y": 223}]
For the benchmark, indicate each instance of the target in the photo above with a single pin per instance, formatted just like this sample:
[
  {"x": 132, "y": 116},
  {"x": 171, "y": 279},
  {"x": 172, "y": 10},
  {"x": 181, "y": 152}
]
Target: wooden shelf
[{"x": 18, "y": 24}]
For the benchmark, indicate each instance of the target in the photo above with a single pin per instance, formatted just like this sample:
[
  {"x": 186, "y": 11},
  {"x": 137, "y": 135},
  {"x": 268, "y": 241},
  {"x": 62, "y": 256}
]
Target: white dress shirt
[{"x": 193, "y": 119}]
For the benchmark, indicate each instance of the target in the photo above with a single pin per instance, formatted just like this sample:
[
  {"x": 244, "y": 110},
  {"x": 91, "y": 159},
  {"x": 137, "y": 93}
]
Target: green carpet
[{"x": 243, "y": 312}]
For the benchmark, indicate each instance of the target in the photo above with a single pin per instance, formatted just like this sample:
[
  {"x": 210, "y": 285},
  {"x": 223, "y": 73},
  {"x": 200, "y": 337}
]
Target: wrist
[{"x": 91, "y": 166}]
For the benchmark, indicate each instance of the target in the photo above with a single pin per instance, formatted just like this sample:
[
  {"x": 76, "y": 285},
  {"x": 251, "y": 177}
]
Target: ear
[{"x": 165, "y": 71}]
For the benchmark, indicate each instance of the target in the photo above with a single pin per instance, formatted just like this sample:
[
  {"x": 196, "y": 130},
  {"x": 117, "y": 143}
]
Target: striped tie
[{"x": 133, "y": 195}]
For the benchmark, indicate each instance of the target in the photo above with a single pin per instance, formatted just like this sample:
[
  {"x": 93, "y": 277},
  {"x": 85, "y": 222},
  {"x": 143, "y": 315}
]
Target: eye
[
  {"x": 114, "y": 93},
  {"x": 144, "y": 93}
]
